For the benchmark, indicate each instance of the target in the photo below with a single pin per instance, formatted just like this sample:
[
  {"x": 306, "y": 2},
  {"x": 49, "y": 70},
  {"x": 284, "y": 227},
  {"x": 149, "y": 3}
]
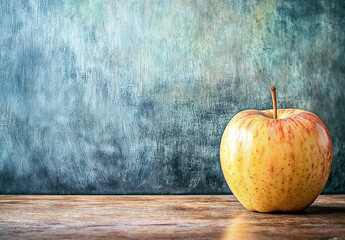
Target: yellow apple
[{"x": 276, "y": 160}]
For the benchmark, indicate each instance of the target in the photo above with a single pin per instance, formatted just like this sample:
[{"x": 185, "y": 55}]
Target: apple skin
[{"x": 276, "y": 164}]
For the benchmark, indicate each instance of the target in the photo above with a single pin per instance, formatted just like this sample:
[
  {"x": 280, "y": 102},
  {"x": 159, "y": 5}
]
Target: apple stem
[{"x": 274, "y": 99}]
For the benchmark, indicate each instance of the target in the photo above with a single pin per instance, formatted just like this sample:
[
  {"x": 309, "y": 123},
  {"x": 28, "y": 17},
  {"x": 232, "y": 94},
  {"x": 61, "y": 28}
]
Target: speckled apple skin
[{"x": 276, "y": 164}]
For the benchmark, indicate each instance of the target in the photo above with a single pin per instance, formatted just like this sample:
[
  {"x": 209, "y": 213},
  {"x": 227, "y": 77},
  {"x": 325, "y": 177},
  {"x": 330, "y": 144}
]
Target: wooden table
[{"x": 162, "y": 217}]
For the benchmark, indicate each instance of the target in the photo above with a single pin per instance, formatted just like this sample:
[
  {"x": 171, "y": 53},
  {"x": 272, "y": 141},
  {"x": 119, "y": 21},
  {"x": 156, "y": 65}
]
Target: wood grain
[{"x": 162, "y": 217}]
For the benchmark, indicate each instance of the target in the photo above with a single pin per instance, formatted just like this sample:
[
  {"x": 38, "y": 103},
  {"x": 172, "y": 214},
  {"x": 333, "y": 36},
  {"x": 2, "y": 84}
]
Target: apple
[{"x": 276, "y": 160}]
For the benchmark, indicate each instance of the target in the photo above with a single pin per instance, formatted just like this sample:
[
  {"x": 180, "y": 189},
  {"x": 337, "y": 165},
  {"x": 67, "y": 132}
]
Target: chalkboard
[{"x": 132, "y": 97}]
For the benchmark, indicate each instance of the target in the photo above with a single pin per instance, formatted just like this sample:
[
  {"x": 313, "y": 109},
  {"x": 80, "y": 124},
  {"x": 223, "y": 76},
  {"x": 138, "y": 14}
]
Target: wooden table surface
[{"x": 162, "y": 217}]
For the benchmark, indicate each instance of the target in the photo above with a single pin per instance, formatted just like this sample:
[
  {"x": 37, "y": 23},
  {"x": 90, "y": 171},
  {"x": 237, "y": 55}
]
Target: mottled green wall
[{"x": 133, "y": 96}]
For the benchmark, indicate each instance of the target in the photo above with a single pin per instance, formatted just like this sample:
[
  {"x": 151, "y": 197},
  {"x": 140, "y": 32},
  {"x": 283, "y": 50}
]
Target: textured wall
[{"x": 133, "y": 96}]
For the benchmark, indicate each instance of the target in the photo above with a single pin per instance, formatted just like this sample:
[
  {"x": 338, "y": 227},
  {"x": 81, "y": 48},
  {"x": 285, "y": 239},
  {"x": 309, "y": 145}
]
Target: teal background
[{"x": 122, "y": 97}]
